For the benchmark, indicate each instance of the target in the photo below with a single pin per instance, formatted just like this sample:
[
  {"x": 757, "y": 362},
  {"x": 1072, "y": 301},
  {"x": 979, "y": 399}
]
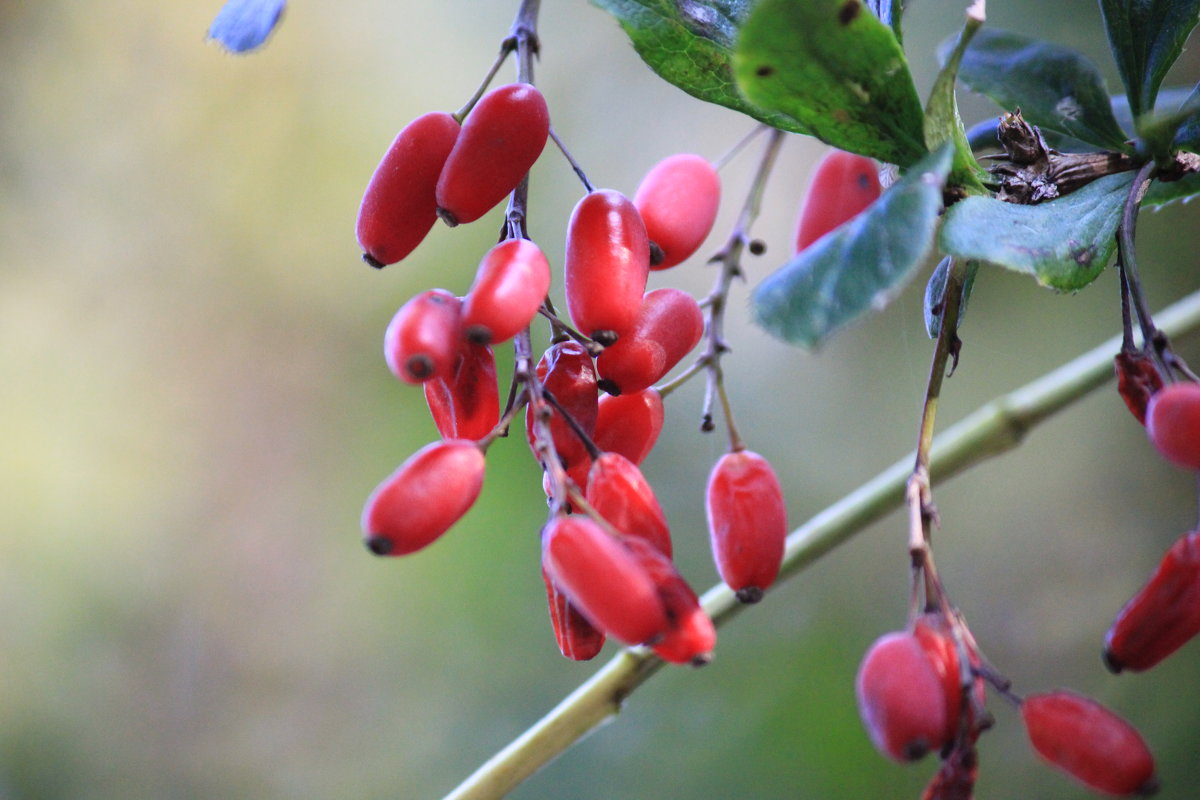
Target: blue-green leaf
[
  {"x": 942, "y": 122},
  {"x": 1054, "y": 86},
  {"x": 1065, "y": 243},
  {"x": 1146, "y": 37},
  {"x": 859, "y": 266},
  {"x": 689, "y": 43},
  {"x": 834, "y": 67},
  {"x": 935, "y": 293}
]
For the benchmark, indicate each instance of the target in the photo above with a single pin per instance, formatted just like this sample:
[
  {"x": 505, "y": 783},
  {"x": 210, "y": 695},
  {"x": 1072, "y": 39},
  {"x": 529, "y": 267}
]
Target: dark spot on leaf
[
  {"x": 764, "y": 71},
  {"x": 849, "y": 11}
]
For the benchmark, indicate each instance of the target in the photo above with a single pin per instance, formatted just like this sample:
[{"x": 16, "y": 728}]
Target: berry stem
[
  {"x": 993, "y": 429},
  {"x": 729, "y": 258},
  {"x": 562, "y": 148}
]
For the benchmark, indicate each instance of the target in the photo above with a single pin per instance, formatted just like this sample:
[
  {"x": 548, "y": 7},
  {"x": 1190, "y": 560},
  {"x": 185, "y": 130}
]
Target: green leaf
[
  {"x": 1146, "y": 37},
  {"x": 935, "y": 292},
  {"x": 1055, "y": 87},
  {"x": 1065, "y": 243},
  {"x": 689, "y": 43},
  {"x": 1187, "y": 137},
  {"x": 859, "y": 266},
  {"x": 834, "y": 67},
  {"x": 942, "y": 122},
  {"x": 1160, "y": 194}
]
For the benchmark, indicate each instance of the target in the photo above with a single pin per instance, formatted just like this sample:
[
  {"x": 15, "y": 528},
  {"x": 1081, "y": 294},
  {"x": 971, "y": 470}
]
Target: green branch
[{"x": 995, "y": 428}]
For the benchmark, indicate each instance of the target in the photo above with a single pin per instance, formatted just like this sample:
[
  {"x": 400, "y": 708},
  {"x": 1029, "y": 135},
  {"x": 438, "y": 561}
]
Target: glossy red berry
[
  {"x": 1089, "y": 742},
  {"x": 603, "y": 579},
  {"x": 399, "y": 206},
  {"x": 842, "y": 187},
  {"x": 933, "y": 633},
  {"x": 577, "y": 638},
  {"x": 690, "y": 636},
  {"x": 1173, "y": 423},
  {"x": 900, "y": 698},
  {"x": 620, "y": 493},
  {"x": 465, "y": 404},
  {"x": 668, "y": 325},
  {"x": 509, "y": 288},
  {"x": 566, "y": 372},
  {"x": 1137, "y": 381},
  {"x": 678, "y": 201},
  {"x": 1164, "y": 614},
  {"x": 606, "y": 265},
  {"x": 747, "y": 522},
  {"x": 501, "y": 138},
  {"x": 423, "y": 498},
  {"x": 422, "y": 340},
  {"x": 629, "y": 424}
]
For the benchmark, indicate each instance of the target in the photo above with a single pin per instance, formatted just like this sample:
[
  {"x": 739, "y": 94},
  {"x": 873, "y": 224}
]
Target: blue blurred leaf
[
  {"x": 243, "y": 25},
  {"x": 860, "y": 266}
]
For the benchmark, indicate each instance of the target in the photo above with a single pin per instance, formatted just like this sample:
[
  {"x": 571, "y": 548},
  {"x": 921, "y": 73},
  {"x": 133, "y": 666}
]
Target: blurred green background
[{"x": 193, "y": 407}]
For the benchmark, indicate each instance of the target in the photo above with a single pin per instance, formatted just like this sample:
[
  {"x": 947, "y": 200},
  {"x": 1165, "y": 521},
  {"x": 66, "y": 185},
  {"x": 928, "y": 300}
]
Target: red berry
[
  {"x": 678, "y": 201},
  {"x": 1173, "y": 423},
  {"x": 577, "y": 638},
  {"x": 933, "y": 633},
  {"x": 399, "y": 207},
  {"x": 607, "y": 263},
  {"x": 620, "y": 493},
  {"x": 629, "y": 424},
  {"x": 668, "y": 325},
  {"x": 1137, "y": 381},
  {"x": 1089, "y": 742},
  {"x": 423, "y": 498},
  {"x": 501, "y": 138},
  {"x": 690, "y": 636},
  {"x": 567, "y": 373},
  {"x": 1164, "y": 614},
  {"x": 747, "y": 522},
  {"x": 603, "y": 579},
  {"x": 422, "y": 340},
  {"x": 509, "y": 288},
  {"x": 466, "y": 403},
  {"x": 900, "y": 698},
  {"x": 842, "y": 187}
]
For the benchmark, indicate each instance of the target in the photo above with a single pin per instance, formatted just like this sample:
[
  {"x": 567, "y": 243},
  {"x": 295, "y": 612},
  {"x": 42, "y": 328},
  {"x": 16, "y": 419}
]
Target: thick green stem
[{"x": 993, "y": 429}]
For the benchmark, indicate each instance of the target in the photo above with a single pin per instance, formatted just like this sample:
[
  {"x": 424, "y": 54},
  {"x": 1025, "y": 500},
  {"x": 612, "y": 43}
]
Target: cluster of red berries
[
  {"x": 592, "y": 412},
  {"x": 1165, "y": 613},
  {"x": 922, "y": 690}
]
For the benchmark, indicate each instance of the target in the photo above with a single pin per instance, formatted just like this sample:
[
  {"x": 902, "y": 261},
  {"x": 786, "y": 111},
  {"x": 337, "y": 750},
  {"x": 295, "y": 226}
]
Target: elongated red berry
[
  {"x": 501, "y": 138},
  {"x": 900, "y": 698},
  {"x": 603, "y": 579},
  {"x": 422, "y": 340},
  {"x": 629, "y": 424},
  {"x": 620, "y": 493},
  {"x": 747, "y": 522},
  {"x": 1137, "y": 381},
  {"x": 466, "y": 403},
  {"x": 933, "y": 633},
  {"x": 509, "y": 288},
  {"x": 567, "y": 373},
  {"x": 668, "y": 325},
  {"x": 577, "y": 639},
  {"x": 423, "y": 498},
  {"x": 1089, "y": 742},
  {"x": 678, "y": 201},
  {"x": 690, "y": 636},
  {"x": 842, "y": 187},
  {"x": 606, "y": 265},
  {"x": 399, "y": 207},
  {"x": 1164, "y": 614},
  {"x": 1173, "y": 423}
]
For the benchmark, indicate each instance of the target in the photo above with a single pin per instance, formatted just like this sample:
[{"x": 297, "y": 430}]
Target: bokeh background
[{"x": 193, "y": 407}]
